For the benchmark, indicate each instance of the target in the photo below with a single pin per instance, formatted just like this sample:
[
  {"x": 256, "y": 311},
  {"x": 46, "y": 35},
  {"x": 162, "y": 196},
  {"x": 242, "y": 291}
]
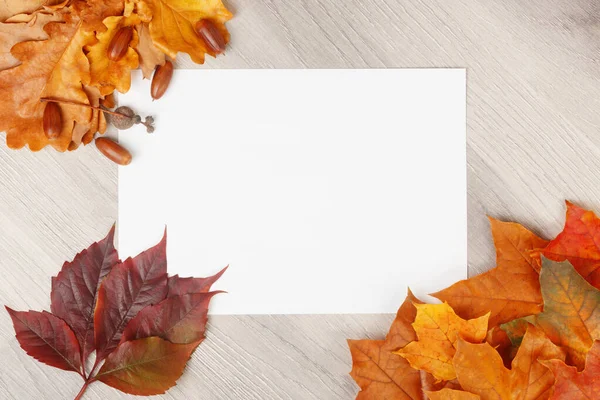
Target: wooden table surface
[{"x": 533, "y": 141}]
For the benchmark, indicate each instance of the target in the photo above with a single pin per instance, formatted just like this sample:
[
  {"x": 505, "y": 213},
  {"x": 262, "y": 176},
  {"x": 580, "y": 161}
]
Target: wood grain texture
[{"x": 533, "y": 140}]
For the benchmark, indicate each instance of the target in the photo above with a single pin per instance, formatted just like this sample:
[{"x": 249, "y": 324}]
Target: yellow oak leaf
[
  {"x": 509, "y": 291},
  {"x": 173, "y": 22},
  {"x": 480, "y": 369},
  {"x": 94, "y": 12},
  {"x": 55, "y": 68},
  {"x": 438, "y": 329},
  {"x": 106, "y": 74}
]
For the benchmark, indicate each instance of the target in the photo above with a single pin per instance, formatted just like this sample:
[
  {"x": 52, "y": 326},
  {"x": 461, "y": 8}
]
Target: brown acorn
[
  {"x": 52, "y": 120},
  {"x": 120, "y": 43},
  {"x": 113, "y": 151},
  {"x": 212, "y": 36},
  {"x": 160, "y": 81}
]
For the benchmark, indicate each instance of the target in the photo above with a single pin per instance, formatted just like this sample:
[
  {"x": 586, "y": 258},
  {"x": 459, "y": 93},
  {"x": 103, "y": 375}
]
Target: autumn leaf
[
  {"x": 54, "y": 68},
  {"x": 579, "y": 243},
  {"x": 571, "y": 317},
  {"x": 173, "y": 21},
  {"x": 438, "y": 329},
  {"x": 22, "y": 28},
  {"x": 74, "y": 290},
  {"x": 380, "y": 373},
  {"x": 574, "y": 385},
  {"x": 180, "y": 286},
  {"x": 480, "y": 369},
  {"x": 451, "y": 394},
  {"x": 180, "y": 319},
  {"x": 509, "y": 291},
  {"x": 47, "y": 338},
  {"x": 107, "y": 74},
  {"x": 128, "y": 288},
  {"x": 9, "y": 8},
  {"x": 150, "y": 56},
  {"x": 94, "y": 12},
  {"x": 146, "y": 366}
]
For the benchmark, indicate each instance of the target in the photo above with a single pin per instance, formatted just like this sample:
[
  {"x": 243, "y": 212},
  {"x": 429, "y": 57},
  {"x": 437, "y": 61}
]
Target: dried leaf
[
  {"x": 509, "y": 291},
  {"x": 380, "y": 373},
  {"x": 450, "y": 394},
  {"x": 94, "y": 12},
  {"x": 106, "y": 74},
  {"x": 128, "y": 288},
  {"x": 180, "y": 286},
  {"x": 438, "y": 329},
  {"x": 571, "y": 317},
  {"x": 579, "y": 243},
  {"x": 146, "y": 366},
  {"x": 173, "y": 21},
  {"x": 8, "y": 8},
  {"x": 55, "y": 68},
  {"x": 29, "y": 27},
  {"x": 180, "y": 319},
  {"x": 574, "y": 385},
  {"x": 47, "y": 339},
  {"x": 480, "y": 369},
  {"x": 75, "y": 288},
  {"x": 150, "y": 55}
]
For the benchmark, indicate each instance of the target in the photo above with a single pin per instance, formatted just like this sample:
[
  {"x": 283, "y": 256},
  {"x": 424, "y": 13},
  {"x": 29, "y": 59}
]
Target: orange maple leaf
[
  {"x": 451, "y": 394},
  {"x": 579, "y": 242},
  {"x": 438, "y": 329},
  {"x": 574, "y": 385},
  {"x": 383, "y": 375},
  {"x": 509, "y": 291},
  {"x": 480, "y": 369}
]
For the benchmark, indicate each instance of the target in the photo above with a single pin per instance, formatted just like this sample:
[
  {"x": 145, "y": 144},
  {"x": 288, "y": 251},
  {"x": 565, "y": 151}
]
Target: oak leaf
[
  {"x": 173, "y": 21},
  {"x": 146, "y": 366},
  {"x": 47, "y": 338},
  {"x": 571, "y": 317},
  {"x": 509, "y": 291},
  {"x": 380, "y": 373},
  {"x": 105, "y": 73},
  {"x": 150, "y": 56},
  {"x": 480, "y": 369},
  {"x": 128, "y": 288},
  {"x": 54, "y": 68},
  {"x": 579, "y": 243},
  {"x": 75, "y": 289},
  {"x": 94, "y": 12},
  {"x": 9, "y": 8},
  {"x": 438, "y": 329},
  {"x": 22, "y": 28},
  {"x": 574, "y": 385},
  {"x": 451, "y": 394}
]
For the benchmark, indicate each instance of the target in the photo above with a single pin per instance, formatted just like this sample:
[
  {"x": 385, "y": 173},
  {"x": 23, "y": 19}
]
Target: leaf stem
[
  {"x": 83, "y": 389},
  {"x": 74, "y": 103}
]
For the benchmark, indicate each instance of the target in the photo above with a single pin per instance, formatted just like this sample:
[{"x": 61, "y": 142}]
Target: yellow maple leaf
[
  {"x": 173, "y": 22},
  {"x": 438, "y": 329}
]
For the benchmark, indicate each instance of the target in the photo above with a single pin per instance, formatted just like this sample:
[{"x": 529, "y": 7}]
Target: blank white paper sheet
[{"x": 325, "y": 191}]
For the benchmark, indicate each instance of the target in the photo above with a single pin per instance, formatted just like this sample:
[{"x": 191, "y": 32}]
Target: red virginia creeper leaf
[
  {"x": 47, "y": 338},
  {"x": 74, "y": 290},
  {"x": 180, "y": 319},
  {"x": 128, "y": 288},
  {"x": 146, "y": 366},
  {"x": 179, "y": 286}
]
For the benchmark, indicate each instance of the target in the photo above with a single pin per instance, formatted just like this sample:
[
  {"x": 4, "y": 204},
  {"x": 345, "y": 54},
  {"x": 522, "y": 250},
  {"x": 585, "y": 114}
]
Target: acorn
[
  {"x": 212, "y": 36},
  {"x": 52, "y": 120},
  {"x": 161, "y": 80},
  {"x": 120, "y": 43},
  {"x": 113, "y": 151}
]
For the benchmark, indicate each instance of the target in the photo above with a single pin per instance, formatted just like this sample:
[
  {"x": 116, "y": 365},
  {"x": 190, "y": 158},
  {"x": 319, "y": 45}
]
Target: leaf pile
[
  {"x": 528, "y": 329},
  {"x": 142, "y": 324},
  {"x": 57, "y": 50}
]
